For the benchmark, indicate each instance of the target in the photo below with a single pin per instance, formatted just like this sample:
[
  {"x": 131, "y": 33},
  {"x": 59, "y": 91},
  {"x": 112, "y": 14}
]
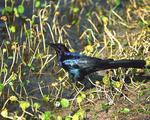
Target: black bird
[{"x": 79, "y": 65}]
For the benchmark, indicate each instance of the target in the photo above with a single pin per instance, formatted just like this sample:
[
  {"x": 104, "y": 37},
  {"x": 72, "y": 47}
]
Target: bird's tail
[{"x": 127, "y": 64}]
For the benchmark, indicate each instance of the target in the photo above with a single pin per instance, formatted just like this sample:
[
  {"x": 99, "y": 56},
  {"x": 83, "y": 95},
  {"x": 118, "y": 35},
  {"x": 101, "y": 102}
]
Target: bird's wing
[
  {"x": 90, "y": 63},
  {"x": 87, "y": 64}
]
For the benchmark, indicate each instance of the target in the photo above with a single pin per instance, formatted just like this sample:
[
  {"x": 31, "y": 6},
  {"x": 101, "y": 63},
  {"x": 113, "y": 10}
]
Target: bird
[{"x": 79, "y": 65}]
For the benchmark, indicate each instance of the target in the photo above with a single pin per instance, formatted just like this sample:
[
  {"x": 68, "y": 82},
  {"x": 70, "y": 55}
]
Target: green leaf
[
  {"x": 64, "y": 103},
  {"x": 4, "y": 113},
  {"x": 24, "y": 105},
  {"x": 105, "y": 20},
  {"x": 12, "y": 29},
  {"x": 1, "y": 87},
  {"x": 104, "y": 106},
  {"x": 36, "y": 105},
  {"x": 125, "y": 110},
  {"x": 106, "y": 80},
  {"x": 75, "y": 117},
  {"x": 116, "y": 84},
  {"x": 117, "y": 2},
  {"x": 13, "y": 98},
  {"x": 46, "y": 98},
  {"x": 79, "y": 99},
  {"x": 148, "y": 61},
  {"x": 59, "y": 117},
  {"x": 37, "y": 3},
  {"x": 20, "y": 9},
  {"x": 7, "y": 10},
  {"x": 75, "y": 10},
  {"x": 67, "y": 117},
  {"x": 79, "y": 115},
  {"x": 46, "y": 115}
]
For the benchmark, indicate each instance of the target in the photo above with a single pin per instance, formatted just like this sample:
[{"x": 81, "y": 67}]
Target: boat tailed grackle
[{"x": 79, "y": 65}]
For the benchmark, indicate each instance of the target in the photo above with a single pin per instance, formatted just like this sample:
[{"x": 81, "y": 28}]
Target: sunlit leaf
[
  {"x": 59, "y": 117},
  {"x": 148, "y": 62},
  {"x": 125, "y": 110},
  {"x": 89, "y": 48},
  {"x": 79, "y": 115},
  {"x": 46, "y": 98},
  {"x": 20, "y": 9},
  {"x": 37, "y": 3},
  {"x": 67, "y": 117},
  {"x": 7, "y": 10},
  {"x": 117, "y": 2},
  {"x": 46, "y": 115},
  {"x": 36, "y": 105},
  {"x": 75, "y": 117},
  {"x": 64, "y": 103},
  {"x": 13, "y": 98},
  {"x": 116, "y": 84},
  {"x": 4, "y": 50},
  {"x": 12, "y": 29},
  {"x": 79, "y": 99},
  {"x": 24, "y": 105},
  {"x": 105, "y": 20},
  {"x": 75, "y": 10},
  {"x": 83, "y": 95},
  {"x": 4, "y": 113},
  {"x": 106, "y": 80}
]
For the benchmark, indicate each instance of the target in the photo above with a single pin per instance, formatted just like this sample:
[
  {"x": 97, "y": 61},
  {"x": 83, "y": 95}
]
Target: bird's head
[{"x": 59, "y": 48}]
